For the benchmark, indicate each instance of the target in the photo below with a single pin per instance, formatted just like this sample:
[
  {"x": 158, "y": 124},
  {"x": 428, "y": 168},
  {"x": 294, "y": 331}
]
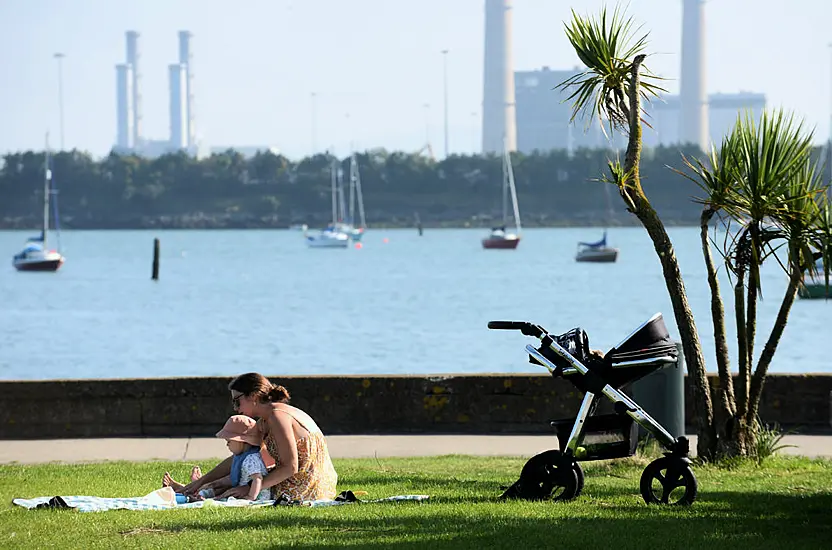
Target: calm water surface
[{"x": 233, "y": 301}]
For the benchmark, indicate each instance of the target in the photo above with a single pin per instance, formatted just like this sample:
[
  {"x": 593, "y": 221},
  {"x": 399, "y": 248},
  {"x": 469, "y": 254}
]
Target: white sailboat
[
  {"x": 499, "y": 238},
  {"x": 346, "y": 220},
  {"x": 356, "y": 194},
  {"x": 330, "y": 236},
  {"x": 35, "y": 256}
]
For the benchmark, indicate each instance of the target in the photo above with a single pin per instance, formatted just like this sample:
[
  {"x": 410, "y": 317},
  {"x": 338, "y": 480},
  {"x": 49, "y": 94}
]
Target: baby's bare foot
[
  {"x": 168, "y": 481},
  {"x": 196, "y": 473}
]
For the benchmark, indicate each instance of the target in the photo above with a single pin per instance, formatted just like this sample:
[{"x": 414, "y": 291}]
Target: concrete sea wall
[{"x": 469, "y": 404}]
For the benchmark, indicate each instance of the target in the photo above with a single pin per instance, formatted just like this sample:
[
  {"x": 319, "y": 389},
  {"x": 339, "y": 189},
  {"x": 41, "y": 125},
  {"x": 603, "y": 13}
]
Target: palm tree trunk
[
  {"x": 631, "y": 188},
  {"x": 726, "y": 389},
  {"x": 770, "y": 347},
  {"x": 751, "y": 306},
  {"x": 742, "y": 349}
]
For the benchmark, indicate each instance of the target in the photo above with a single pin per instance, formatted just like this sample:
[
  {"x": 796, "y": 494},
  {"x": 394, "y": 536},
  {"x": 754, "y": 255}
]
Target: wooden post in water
[{"x": 155, "y": 275}]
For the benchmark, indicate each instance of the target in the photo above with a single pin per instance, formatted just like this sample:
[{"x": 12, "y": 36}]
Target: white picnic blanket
[{"x": 164, "y": 499}]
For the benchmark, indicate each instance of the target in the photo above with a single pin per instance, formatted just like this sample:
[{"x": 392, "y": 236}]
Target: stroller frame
[
  {"x": 622, "y": 403},
  {"x": 553, "y": 468}
]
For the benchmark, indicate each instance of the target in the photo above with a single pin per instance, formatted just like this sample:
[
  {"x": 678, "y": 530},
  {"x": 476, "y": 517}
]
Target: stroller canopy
[{"x": 651, "y": 341}]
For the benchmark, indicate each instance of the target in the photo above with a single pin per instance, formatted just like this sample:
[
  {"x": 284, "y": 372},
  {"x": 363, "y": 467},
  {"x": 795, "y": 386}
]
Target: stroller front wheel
[
  {"x": 669, "y": 480},
  {"x": 579, "y": 478}
]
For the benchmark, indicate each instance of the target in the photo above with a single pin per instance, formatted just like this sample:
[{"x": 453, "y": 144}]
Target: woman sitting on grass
[{"x": 303, "y": 468}]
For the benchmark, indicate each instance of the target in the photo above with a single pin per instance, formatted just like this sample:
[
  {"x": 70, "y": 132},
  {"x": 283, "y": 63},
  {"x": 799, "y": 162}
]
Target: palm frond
[{"x": 606, "y": 45}]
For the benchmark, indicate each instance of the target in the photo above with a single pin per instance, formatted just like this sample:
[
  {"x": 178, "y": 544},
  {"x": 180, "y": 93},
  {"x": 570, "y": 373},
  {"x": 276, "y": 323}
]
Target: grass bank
[{"x": 787, "y": 502}]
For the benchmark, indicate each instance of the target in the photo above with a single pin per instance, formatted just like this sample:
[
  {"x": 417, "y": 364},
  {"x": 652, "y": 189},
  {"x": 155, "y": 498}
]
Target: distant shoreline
[{"x": 220, "y": 224}]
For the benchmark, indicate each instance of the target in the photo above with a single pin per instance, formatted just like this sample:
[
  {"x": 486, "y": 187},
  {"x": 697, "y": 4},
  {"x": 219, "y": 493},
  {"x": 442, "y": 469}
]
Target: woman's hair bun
[{"x": 278, "y": 394}]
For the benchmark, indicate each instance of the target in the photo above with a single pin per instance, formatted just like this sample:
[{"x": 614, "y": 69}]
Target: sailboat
[
  {"x": 331, "y": 236},
  {"x": 35, "y": 256},
  {"x": 348, "y": 226},
  {"x": 598, "y": 251},
  {"x": 499, "y": 237}
]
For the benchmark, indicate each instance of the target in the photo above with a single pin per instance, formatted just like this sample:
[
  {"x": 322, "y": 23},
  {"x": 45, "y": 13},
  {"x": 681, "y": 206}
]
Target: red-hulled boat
[{"x": 499, "y": 239}]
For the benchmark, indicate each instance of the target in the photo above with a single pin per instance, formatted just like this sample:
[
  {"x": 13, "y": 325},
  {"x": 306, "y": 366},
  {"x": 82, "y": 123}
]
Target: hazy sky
[{"x": 373, "y": 64}]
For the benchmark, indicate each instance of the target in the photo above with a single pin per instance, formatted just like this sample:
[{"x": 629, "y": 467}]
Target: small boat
[
  {"x": 348, "y": 226},
  {"x": 333, "y": 235},
  {"x": 329, "y": 237},
  {"x": 499, "y": 238},
  {"x": 815, "y": 284},
  {"x": 35, "y": 256},
  {"x": 596, "y": 252}
]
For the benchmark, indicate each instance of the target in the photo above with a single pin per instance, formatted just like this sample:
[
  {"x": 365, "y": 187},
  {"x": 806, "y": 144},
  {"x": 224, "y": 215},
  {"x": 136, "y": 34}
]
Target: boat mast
[
  {"x": 511, "y": 185},
  {"x": 357, "y": 181},
  {"x": 342, "y": 205},
  {"x": 333, "y": 176},
  {"x": 352, "y": 188},
  {"x": 47, "y": 176},
  {"x": 505, "y": 186}
]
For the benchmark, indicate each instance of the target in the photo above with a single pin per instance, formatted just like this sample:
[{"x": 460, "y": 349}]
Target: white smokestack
[
  {"x": 178, "y": 106},
  {"x": 133, "y": 59},
  {"x": 498, "y": 114},
  {"x": 693, "y": 94},
  {"x": 186, "y": 59},
  {"x": 124, "y": 107}
]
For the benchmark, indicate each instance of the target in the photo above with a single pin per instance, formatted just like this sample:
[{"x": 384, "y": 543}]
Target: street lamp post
[
  {"x": 426, "y": 107},
  {"x": 474, "y": 140},
  {"x": 314, "y": 125},
  {"x": 60, "y": 57},
  {"x": 445, "y": 90}
]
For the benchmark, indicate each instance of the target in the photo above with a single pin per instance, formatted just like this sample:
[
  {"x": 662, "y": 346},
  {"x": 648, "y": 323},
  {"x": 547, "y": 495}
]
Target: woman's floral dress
[{"x": 316, "y": 477}]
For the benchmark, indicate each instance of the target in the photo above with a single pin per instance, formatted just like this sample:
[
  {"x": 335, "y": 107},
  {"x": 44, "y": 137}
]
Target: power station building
[
  {"x": 129, "y": 134},
  {"x": 692, "y": 117}
]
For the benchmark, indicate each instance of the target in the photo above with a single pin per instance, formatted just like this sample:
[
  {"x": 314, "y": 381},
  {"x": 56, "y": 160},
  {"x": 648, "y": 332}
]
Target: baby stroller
[{"x": 557, "y": 474}]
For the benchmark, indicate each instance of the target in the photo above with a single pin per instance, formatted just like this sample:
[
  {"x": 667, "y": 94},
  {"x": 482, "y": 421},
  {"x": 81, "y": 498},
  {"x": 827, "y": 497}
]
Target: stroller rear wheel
[
  {"x": 547, "y": 476},
  {"x": 669, "y": 480}
]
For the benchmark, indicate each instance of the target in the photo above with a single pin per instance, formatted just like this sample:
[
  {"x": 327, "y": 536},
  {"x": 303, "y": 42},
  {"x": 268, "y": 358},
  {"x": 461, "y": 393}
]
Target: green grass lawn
[{"x": 786, "y": 503}]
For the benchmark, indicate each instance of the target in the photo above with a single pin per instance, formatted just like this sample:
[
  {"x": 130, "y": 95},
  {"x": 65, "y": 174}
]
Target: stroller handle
[
  {"x": 528, "y": 329},
  {"x": 507, "y": 325}
]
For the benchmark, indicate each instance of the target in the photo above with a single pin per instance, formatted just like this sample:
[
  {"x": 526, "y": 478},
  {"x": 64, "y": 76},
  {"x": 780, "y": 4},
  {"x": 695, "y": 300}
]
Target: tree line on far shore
[{"x": 267, "y": 190}]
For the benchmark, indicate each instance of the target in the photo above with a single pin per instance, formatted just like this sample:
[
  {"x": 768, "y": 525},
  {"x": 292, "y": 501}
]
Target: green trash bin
[{"x": 662, "y": 395}]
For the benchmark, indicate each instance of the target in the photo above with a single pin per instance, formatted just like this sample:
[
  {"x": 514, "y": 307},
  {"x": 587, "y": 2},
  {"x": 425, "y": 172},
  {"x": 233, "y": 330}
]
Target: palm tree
[
  {"x": 764, "y": 183},
  {"x": 612, "y": 88}
]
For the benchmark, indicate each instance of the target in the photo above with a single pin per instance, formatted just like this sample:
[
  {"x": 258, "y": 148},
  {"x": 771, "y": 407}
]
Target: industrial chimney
[
  {"x": 693, "y": 94},
  {"x": 124, "y": 107},
  {"x": 133, "y": 61},
  {"x": 186, "y": 59},
  {"x": 498, "y": 114},
  {"x": 178, "y": 106}
]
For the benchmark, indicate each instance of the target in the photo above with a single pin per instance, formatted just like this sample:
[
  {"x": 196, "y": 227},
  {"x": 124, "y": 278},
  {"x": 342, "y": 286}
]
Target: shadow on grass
[
  {"x": 721, "y": 520},
  {"x": 447, "y": 489}
]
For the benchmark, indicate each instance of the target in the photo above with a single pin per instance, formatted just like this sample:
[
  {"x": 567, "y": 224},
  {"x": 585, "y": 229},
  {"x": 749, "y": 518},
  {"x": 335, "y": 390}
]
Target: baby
[{"x": 247, "y": 466}]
